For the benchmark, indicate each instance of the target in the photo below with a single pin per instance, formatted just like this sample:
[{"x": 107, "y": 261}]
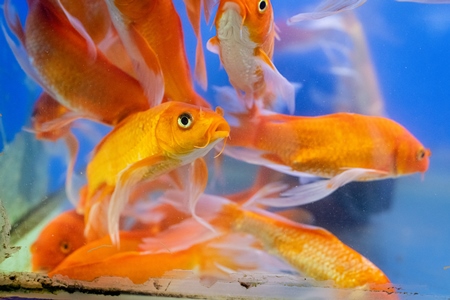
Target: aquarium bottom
[{"x": 184, "y": 284}]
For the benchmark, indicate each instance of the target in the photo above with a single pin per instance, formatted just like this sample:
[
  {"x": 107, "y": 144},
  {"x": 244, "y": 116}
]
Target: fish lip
[{"x": 220, "y": 131}]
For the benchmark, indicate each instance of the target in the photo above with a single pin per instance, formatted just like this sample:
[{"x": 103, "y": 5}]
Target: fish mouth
[{"x": 221, "y": 130}]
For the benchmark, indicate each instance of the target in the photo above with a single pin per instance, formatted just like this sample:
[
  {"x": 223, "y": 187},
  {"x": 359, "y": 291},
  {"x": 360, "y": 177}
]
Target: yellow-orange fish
[
  {"x": 245, "y": 42},
  {"x": 143, "y": 147},
  {"x": 343, "y": 146},
  {"x": 62, "y": 236},
  {"x": 313, "y": 251}
]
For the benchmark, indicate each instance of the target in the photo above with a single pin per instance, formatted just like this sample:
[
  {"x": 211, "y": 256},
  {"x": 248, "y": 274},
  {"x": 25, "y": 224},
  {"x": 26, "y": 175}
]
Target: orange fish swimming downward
[
  {"x": 143, "y": 147},
  {"x": 153, "y": 29},
  {"x": 343, "y": 147},
  {"x": 245, "y": 42}
]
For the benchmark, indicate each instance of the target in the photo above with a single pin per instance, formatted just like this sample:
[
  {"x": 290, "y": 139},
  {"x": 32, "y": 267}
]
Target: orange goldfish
[
  {"x": 143, "y": 147},
  {"x": 342, "y": 146},
  {"x": 62, "y": 236},
  {"x": 245, "y": 42},
  {"x": 153, "y": 28},
  {"x": 311, "y": 250},
  {"x": 69, "y": 67},
  {"x": 102, "y": 258}
]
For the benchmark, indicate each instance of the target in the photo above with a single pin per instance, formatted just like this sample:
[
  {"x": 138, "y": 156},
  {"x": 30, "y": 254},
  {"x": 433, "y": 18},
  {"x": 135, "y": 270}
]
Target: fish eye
[
  {"x": 421, "y": 154},
  {"x": 185, "y": 120},
  {"x": 262, "y": 5},
  {"x": 64, "y": 247}
]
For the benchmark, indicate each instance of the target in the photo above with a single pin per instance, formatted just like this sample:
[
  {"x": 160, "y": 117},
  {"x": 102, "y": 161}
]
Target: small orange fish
[
  {"x": 344, "y": 147},
  {"x": 144, "y": 146},
  {"x": 154, "y": 28},
  {"x": 245, "y": 42},
  {"x": 62, "y": 236},
  {"x": 102, "y": 258},
  {"x": 313, "y": 251},
  {"x": 69, "y": 67}
]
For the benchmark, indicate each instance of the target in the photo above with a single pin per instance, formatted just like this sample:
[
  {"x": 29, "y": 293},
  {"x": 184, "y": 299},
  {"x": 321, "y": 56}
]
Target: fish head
[
  {"x": 411, "y": 156},
  {"x": 184, "y": 128},
  {"x": 58, "y": 239},
  {"x": 255, "y": 15}
]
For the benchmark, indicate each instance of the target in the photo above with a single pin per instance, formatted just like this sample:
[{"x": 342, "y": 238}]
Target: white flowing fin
[
  {"x": 178, "y": 237},
  {"x": 126, "y": 180},
  {"x": 73, "y": 147},
  {"x": 325, "y": 9},
  {"x": 317, "y": 190},
  {"x": 78, "y": 26},
  {"x": 266, "y": 191},
  {"x": 196, "y": 186},
  {"x": 277, "y": 86}
]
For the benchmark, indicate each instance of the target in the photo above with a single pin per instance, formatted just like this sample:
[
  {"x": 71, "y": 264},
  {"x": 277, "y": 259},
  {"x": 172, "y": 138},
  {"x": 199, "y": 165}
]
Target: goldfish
[
  {"x": 69, "y": 67},
  {"x": 244, "y": 41},
  {"x": 311, "y": 250},
  {"x": 143, "y": 147},
  {"x": 102, "y": 258},
  {"x": 325, "y": 9},
  {"x": 343, "y": 147},
  {"x": 153, "y": 29},
  {"x": 62, "y": 236},
  {"x": 314, "y": 251}
]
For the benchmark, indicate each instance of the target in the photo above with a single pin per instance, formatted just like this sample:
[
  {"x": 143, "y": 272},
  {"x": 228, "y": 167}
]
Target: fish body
[
  {"x": 313, "y": 251},
  {"x": 324, "y": 146},
  {"x": 343, "y": 147},
  {"x": 146, "y": 145},
  {"x": 61, "y": 237},
  {"x": 71, "y": 70},
  {"x": 245, "y": 43},
  {"x": 159, "y": 25}
]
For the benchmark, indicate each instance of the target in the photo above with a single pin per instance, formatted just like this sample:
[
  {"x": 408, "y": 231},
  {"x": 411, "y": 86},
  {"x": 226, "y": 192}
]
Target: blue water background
[{"x": 410, "y": 47}]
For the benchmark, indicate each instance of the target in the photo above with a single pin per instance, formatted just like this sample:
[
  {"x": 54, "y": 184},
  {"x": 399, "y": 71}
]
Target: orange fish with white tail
[
  {"x": 245, "y": 35},
  {"x": 143, "y": 147},
  {"x": 343, "y": 147}
]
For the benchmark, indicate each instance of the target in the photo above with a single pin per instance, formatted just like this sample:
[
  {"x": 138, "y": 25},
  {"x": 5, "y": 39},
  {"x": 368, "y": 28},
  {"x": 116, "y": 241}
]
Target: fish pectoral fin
[
  {"x": 317, "y": 190},
  {"x": 279, "y": 91},
  {"x": 213, "y": 45},
  {"x": 126, "y": 181}
]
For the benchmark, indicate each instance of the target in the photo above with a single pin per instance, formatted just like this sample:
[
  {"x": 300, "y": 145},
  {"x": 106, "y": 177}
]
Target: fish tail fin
[{"x": 193, "y": 9}]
